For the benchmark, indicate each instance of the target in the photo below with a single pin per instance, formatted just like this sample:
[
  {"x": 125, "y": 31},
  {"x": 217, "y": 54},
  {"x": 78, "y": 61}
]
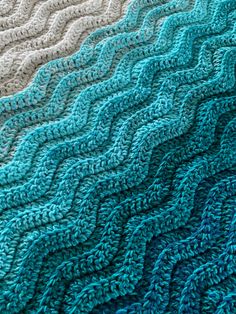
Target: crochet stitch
[
  {"x": 118, "y": 163},
  {"x": 52, "y": 29}
]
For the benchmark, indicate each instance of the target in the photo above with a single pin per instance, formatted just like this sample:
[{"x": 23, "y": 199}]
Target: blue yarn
[{"x": 118, "y": 170}]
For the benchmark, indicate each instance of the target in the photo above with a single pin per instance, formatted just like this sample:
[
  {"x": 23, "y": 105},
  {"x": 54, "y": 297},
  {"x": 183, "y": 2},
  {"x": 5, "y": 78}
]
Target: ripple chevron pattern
[
  {"x": 118, "y": 162},
  {"x": 40, "y": 31}
]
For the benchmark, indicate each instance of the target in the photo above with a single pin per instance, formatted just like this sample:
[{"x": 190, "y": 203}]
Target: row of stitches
[
  {"x": 23, "y": 60},
  {"x": 92, "y": 92},
  {"x": 144, "y": 158}
]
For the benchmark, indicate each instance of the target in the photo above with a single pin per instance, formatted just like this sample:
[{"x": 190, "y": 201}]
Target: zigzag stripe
[
  {"x": 90, "y": 93},
  {"x": 198, "y": 242},
  {"x": 86, "y": 262},
  {"x": 40, "y": 82},
  {"x": 117, "y": 279},
  {"x": 31, "y": 140},
  {"x": 219, "y": 269},
  {"x": 72, "y": 171},
  {"x": 85, "y": 228},
  {"x": 131, "y": 140},
  {"x": 31, "y": 60}
]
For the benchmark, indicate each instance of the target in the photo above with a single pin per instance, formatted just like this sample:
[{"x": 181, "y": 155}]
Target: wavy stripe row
[{"x": 118, "y": 163}]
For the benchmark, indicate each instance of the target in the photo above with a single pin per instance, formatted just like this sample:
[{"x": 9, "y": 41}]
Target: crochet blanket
[{"x": 118, "y": 162}]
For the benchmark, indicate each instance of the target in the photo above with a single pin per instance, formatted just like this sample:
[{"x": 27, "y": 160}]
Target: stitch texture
[
  {"x": 118, "y": 162},
  {"x": 40, "y": 31}
]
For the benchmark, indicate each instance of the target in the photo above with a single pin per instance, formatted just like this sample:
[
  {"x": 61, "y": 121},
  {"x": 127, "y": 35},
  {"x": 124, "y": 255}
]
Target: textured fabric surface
[
  {"x": 118, "y": 163},
  {"x": 39, "y": 31}
]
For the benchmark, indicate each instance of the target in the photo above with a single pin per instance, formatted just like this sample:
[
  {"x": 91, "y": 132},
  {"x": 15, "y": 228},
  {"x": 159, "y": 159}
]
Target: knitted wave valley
[{"x": 118, "y": 168}]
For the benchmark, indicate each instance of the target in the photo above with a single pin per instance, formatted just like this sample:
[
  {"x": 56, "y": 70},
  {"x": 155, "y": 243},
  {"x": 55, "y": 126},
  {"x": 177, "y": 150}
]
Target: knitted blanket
[{"x": 118, "y": 162}]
